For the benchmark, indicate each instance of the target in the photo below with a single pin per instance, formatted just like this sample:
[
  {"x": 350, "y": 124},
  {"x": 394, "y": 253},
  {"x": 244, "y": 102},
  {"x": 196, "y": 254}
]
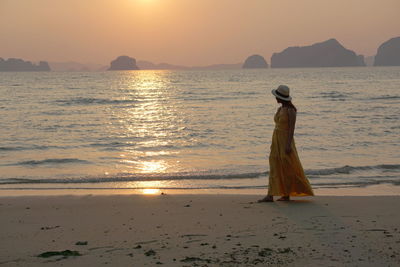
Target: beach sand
[{"x": 199, "y": 230}]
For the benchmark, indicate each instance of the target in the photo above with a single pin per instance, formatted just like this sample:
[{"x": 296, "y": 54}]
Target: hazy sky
[{"x": 189, "y": 32}]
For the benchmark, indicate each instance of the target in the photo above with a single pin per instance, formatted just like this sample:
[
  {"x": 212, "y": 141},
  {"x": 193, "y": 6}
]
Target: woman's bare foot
[
  {"x": 267, "y": 198},
  {"x": 284, "y": 198}
]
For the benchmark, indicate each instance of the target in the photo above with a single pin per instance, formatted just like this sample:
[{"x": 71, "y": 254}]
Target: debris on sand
[
  {"x": 150, "y": 253},
  {"x": 193, "y": 259},
  {"x": 64, "y": 253},
  {"x": 81, "y": 243}
]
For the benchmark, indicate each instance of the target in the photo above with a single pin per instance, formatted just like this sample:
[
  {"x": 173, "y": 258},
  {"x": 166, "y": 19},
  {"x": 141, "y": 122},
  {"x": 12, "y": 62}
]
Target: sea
[{"x": 210, "y": 131}]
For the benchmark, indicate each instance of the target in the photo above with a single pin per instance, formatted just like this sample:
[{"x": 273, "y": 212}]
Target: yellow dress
[{"x": 286, "y": 175}]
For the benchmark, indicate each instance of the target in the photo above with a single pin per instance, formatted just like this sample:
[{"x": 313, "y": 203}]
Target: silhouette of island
[
  {"x": 123, "y": 63},
  {"x": 325, "y": 54},
  {"x": 72, "y": 66},
  {"x": 255, "y": 62},
  {"x": 388, "y": 53},
  {"x": 218, "y": 67},
  {"x": 147, "y": 65},
  {"x": 16, "y": 64}
]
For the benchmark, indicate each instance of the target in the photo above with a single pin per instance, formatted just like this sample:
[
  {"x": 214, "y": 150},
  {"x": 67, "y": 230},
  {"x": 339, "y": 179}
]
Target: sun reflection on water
[
  {"x": 151, "y": 191},
  {"x": 148, "y": 187},
  {"x": 152, "y": 166},
  {"x": 146, "y": 127}
]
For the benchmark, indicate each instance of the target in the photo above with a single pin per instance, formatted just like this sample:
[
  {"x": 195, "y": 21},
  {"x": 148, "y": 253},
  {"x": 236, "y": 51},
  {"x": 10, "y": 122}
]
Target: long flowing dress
[{"x": 286, "y": 175}]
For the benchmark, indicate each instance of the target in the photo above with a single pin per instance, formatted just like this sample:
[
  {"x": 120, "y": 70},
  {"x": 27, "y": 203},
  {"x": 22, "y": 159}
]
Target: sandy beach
[{"x": 198, "y": 230}]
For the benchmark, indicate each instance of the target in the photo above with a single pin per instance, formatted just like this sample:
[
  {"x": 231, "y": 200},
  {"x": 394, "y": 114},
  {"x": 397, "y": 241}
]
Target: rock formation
[
  {"x": 16, "y": 64},
  {"x": 255, "y": 62},
  {"x": 123, "y": 63},
  {"x": 388, "y": 53},
  {"x": 326, "y": 54},
  {"x": 44, "y": 66}
]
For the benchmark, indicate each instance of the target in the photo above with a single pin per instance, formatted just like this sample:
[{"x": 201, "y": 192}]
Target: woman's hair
[{"x": 287, "y": 103}]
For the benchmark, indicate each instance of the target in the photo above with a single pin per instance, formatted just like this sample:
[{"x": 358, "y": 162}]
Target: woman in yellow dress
[{"x": 286, "y": 175}]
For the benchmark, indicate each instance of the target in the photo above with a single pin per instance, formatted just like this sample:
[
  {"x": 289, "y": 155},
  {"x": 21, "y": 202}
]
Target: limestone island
[
  {"x": 16, "y": 64},
  {"x": 123, "y": 63},
  {"x": 388, "y": 53},
  {"x": 325, "y": 54},
  {"x": 255, "y": 62}
]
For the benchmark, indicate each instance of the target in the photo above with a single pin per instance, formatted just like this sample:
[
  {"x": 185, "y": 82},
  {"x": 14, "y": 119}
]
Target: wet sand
[{"x": 199, "y": 230}]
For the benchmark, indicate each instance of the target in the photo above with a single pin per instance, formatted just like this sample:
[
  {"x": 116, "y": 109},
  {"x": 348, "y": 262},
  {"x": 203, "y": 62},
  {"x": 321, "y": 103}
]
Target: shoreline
[
  {"x": 371, "y": 190},
  {"x": 199, "y": 230}
]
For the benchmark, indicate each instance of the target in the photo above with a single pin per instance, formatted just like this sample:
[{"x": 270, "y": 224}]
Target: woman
[{"x": 286, "y": 175}]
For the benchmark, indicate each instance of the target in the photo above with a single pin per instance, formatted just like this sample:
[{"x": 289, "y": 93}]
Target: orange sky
[{"x": 188, "y": 32}]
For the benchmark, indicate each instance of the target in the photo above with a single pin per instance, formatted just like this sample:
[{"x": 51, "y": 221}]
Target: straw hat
[{"x": 282, "y": 92}]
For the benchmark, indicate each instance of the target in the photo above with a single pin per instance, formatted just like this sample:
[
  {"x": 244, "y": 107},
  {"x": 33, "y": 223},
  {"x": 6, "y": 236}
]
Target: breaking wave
[{"x": 317, "y": 175}]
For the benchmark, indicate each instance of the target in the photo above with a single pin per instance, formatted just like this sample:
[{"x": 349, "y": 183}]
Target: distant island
[
  {"x": 325, "y": 54},
  {"x": 16, "y": 64},
  {"x": 388, "y": 53},
  {"x": 72, "y": 66},
  {"x": 255, "y": 62},
  {"x": 329, "y": 53},
  {"x": 147, "y": 65},
  {"x": 123, "y": 63}
]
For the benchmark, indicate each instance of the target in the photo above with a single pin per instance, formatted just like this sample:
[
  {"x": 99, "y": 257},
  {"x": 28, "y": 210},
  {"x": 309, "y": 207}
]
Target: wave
[
  {"x": 133, "y": 177},
  {"x": 334, "y": 96},
  {"x": 94, "y": 101},
  {"x": 385, "y": 97},
  {"x": 351, "y": 169},
  {"x": 11, "y": 148},
  {"x": 137, "y": 177},
  {"x": 33, "y": 147},
  {"x": 48, "y": 161},
  {"x": 110, "y": 144},
  {"x": 194, "y": 187}
]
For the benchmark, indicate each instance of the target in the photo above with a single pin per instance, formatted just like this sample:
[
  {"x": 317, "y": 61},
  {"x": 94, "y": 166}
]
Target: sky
[{"x": 188, "y": 32}]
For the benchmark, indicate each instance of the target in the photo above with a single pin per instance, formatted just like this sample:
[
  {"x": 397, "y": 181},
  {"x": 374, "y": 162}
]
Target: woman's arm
[{"x": 292, "y": 123}]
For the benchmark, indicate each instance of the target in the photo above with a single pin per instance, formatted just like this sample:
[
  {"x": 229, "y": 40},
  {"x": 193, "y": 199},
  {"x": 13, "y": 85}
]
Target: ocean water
[{"x": 195, "y": 129}]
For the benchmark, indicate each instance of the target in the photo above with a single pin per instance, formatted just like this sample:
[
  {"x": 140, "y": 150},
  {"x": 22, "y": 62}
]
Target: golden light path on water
[{"x": 148, "y": 119}]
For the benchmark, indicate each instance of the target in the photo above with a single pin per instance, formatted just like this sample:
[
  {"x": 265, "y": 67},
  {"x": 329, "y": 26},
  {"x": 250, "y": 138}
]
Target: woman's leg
[
  {"x": 284, "y": 198},
  {"x": 267, "y": 198}
]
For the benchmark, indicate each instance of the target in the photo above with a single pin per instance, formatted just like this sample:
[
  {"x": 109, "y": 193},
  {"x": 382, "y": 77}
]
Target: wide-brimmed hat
[{"x": 282, "y": 92}]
